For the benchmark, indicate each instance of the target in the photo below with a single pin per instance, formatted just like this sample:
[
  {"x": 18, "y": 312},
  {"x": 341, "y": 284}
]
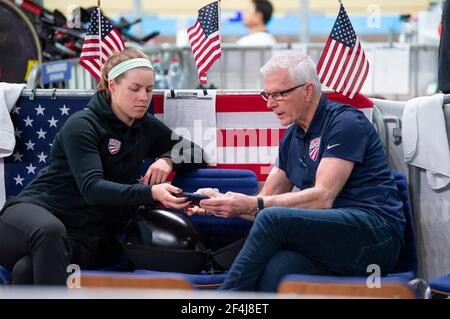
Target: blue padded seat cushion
[
  {"x": 441, "y": 284},
  {"x": 403, "y": 278},
  {"x": 406, "y": 276},
  {"x": 236, "y": 180},
  {"x": 5, "y": 276},
  {"x": 218, "y": 232}
]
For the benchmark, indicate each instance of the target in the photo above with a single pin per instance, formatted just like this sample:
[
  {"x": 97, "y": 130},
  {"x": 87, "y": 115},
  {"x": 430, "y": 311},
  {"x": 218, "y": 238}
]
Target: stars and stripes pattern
[
  {"x": 204, "y": 38},
  {"x": 101, "y": 40},
  {"x": 35, "y": 126},
  {"x": 343, "y": 66}
]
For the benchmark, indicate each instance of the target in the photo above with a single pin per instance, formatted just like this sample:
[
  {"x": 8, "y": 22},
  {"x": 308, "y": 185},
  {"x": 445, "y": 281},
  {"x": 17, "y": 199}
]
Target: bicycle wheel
[{"x": 19, "y": 44}]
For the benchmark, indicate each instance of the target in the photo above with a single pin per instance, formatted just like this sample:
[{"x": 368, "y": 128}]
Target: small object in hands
[{"x": 193, "y": 197}]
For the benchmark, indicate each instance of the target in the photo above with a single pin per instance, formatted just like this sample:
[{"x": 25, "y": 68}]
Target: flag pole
[
  {"x": 99, "y": 32},
  {"x": 221, "y": 55}
]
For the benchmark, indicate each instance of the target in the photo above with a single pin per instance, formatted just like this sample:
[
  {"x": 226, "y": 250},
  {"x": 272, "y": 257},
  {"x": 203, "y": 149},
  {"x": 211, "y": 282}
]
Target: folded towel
[
  {"x": 425, "y": 142},
  {"x": 9, "y": 93}
]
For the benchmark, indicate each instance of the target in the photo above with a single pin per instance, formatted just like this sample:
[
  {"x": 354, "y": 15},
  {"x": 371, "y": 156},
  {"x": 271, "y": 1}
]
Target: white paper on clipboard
[{"x": 193, "y": 116}]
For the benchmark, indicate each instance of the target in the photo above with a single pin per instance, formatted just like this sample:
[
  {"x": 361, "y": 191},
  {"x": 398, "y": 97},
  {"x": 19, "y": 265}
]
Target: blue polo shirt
[{"x": 341, "y": 131}]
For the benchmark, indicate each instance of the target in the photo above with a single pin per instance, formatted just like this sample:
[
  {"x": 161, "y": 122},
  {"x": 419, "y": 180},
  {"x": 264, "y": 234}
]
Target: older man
[{"x": 347, "y": 215}]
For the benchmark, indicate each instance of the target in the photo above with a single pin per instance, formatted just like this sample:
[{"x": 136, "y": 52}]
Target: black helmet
[{"x": 163, "y": 240}]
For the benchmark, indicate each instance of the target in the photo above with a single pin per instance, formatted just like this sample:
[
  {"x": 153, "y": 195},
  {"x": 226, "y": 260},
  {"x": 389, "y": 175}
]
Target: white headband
[{"x": 128, "y": 65}]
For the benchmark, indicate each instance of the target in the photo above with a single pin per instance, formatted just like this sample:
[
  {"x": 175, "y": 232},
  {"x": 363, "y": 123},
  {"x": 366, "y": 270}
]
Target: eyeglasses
[{"x": 279, "y": 96}]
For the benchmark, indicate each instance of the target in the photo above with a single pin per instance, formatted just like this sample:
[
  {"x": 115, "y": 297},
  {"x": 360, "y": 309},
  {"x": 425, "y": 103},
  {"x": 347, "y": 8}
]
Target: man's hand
[
  {"x": 163, "y": 193},
  {"x": 230, "y": 205},
  {"x": 157, "y": 172}
]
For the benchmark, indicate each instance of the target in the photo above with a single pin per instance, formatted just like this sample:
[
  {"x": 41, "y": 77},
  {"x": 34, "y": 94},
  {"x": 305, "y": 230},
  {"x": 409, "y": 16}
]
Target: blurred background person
[{"x": 256, "y": 16}]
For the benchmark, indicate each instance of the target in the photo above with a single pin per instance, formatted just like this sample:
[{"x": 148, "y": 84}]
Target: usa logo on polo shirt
[
  {"x": 114, "y": 146},
  {"x": 314, "y": 148}
]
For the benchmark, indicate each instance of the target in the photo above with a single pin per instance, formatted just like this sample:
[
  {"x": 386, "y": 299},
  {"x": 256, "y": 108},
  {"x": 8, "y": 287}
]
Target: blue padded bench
[
  {"x": 406, "y": 268},
  {"x": 5, "y": 276},
  {"x": 439, "y": 286}
]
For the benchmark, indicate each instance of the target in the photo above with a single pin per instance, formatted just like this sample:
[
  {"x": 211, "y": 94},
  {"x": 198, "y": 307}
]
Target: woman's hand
[
  {"x": 164, "y": 194},
  {"x": 157, "y": 172},
  {"x": 211, "y": 193}
]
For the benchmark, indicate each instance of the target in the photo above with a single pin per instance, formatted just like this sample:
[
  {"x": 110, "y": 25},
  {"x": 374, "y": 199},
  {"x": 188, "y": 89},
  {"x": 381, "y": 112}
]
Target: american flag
[
  {"x": 205, "y": 39},
  {"x": 343, "y": 66},
  {"x": 97, "y": 49}
]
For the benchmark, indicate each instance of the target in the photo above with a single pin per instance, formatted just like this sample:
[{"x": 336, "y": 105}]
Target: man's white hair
[{"x": 301, "y": 68}]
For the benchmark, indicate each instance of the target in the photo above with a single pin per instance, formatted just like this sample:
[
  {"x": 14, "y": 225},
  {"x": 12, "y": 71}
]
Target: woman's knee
[
  {"x": 22, "y": 273},
  {"x": 52, "y": 231},
  {"x": 54, "y": 228}
]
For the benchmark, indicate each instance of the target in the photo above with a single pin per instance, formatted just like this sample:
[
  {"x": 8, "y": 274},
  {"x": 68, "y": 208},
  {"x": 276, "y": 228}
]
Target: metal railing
[{"x": 240, "y": 68}]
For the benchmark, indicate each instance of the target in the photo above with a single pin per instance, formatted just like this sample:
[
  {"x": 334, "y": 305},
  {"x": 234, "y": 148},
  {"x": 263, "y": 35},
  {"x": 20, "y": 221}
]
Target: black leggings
[
  {"x": 36, "y": 247},
  {"x": 33, "y": 245}
]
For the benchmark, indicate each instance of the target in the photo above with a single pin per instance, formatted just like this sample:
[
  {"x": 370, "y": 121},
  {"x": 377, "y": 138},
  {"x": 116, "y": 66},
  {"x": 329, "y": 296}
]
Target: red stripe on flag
[
  {"x": 115, "y": 46},
  {"x": 158, "y": 103},
  {"x": 322, "y": 57},
  {"x": 215, "y": 56},
  {"x": 199, "y": 45},
  {"x": 363, "y": 78},
  {"x": 241, "y": 103},
  {"x": 336, "y": 65},
  {"x": 342, "y": 64},
  {"x": 358, "y": 72},
  {"x": 206, "y": 50},
  {"x": 328, "y": 64},
  {"x": 351, "y": 67},
  {"x": 249, "y": 137}
]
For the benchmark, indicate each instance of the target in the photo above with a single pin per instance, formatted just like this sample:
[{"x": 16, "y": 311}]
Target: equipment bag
[{"x": 163, "y": 240}]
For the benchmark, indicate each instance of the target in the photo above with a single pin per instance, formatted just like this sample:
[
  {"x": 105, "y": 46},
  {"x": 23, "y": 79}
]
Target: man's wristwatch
[{"x": 260, "y": 206}]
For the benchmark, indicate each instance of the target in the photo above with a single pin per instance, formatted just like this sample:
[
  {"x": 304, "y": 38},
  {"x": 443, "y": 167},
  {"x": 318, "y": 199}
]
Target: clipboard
[{"x": 192, "y": 115}]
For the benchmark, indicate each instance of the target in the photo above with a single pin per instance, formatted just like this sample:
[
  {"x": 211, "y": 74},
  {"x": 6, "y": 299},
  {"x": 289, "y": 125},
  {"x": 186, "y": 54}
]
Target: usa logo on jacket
[
  {"x": 114, "y": 146},
  {"x": 314, "y": 148}
]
